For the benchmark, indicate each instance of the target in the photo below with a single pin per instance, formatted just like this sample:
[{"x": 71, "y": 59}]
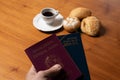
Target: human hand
[{"x": 43, "y": 75}]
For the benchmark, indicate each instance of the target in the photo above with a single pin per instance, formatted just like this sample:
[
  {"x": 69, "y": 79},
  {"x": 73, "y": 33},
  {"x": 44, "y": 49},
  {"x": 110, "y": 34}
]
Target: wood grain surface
[{"x": 17, "y": 33}]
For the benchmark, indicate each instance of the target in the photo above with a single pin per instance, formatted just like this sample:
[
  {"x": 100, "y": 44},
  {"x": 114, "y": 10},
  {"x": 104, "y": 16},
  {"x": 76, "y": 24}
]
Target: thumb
[{"x": 53, "y": 71}]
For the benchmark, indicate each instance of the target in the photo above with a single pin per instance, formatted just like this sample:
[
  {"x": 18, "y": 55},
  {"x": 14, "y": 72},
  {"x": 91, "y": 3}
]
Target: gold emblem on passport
[{"x": 51, "y": 60}]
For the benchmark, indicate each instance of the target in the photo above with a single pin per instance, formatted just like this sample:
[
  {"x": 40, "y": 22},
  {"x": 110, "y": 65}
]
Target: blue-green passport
[{"x": 73, "y": 44}]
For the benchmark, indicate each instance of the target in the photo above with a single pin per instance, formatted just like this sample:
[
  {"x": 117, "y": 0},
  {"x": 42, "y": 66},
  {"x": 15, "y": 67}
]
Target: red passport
[{"x": 50, "y": 51}]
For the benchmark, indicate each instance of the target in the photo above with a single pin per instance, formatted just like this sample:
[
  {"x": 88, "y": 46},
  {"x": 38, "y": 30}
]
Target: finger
[
  {"x": 31, "y": 73},
  {"x": 32, "y": 70},
  {"x": 54, "y": 70}
]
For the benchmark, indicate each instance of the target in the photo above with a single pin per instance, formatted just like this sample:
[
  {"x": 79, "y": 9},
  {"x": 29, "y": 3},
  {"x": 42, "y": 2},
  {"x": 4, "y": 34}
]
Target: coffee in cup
[{"x": 49, "y": 15}]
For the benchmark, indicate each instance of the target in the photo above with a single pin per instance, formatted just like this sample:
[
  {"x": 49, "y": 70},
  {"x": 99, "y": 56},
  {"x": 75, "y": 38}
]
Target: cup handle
[{"x": 57, "y": 12}]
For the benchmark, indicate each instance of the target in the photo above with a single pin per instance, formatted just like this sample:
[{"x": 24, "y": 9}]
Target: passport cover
[
  {"x": 50, "y": 51},
  {"x": 73, "y": 44}
]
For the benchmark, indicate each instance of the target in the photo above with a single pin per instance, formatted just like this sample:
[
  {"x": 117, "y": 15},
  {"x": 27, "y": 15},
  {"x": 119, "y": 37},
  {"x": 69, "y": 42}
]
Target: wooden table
[{"x": 17, "y": 33}]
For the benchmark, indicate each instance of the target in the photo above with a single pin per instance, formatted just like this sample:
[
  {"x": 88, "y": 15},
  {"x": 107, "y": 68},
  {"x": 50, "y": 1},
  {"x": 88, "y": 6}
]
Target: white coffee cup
[{"x": 49, "y": 15}]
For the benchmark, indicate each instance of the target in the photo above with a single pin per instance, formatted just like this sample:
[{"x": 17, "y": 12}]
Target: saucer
[{"x": 40, "y": 24}]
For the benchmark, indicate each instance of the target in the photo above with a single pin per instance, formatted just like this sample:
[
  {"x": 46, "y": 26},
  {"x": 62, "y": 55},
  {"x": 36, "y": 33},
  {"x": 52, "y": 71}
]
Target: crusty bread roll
[
  {"x": 80, "y": 12},
  {"x": 71, "y": 24},
  {"x": 90, "y": 25}
]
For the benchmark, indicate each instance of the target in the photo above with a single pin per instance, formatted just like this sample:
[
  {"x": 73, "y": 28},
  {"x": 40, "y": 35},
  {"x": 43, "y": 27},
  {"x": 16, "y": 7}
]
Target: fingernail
[{"x": 58, "y": 66}]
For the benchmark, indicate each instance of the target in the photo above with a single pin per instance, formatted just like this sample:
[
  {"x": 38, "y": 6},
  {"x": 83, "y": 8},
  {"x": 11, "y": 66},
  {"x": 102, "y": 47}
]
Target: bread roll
[
  {"x": 71, "y": 24},
  {"x": 80, "y": 12},
  {"x": 90, "y": 25}
]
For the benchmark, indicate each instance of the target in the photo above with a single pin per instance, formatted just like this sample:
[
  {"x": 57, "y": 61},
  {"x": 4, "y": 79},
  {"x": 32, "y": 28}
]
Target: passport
[
  {"x": 50, "y": 51},
  {"x": 73, "y": 44}
]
